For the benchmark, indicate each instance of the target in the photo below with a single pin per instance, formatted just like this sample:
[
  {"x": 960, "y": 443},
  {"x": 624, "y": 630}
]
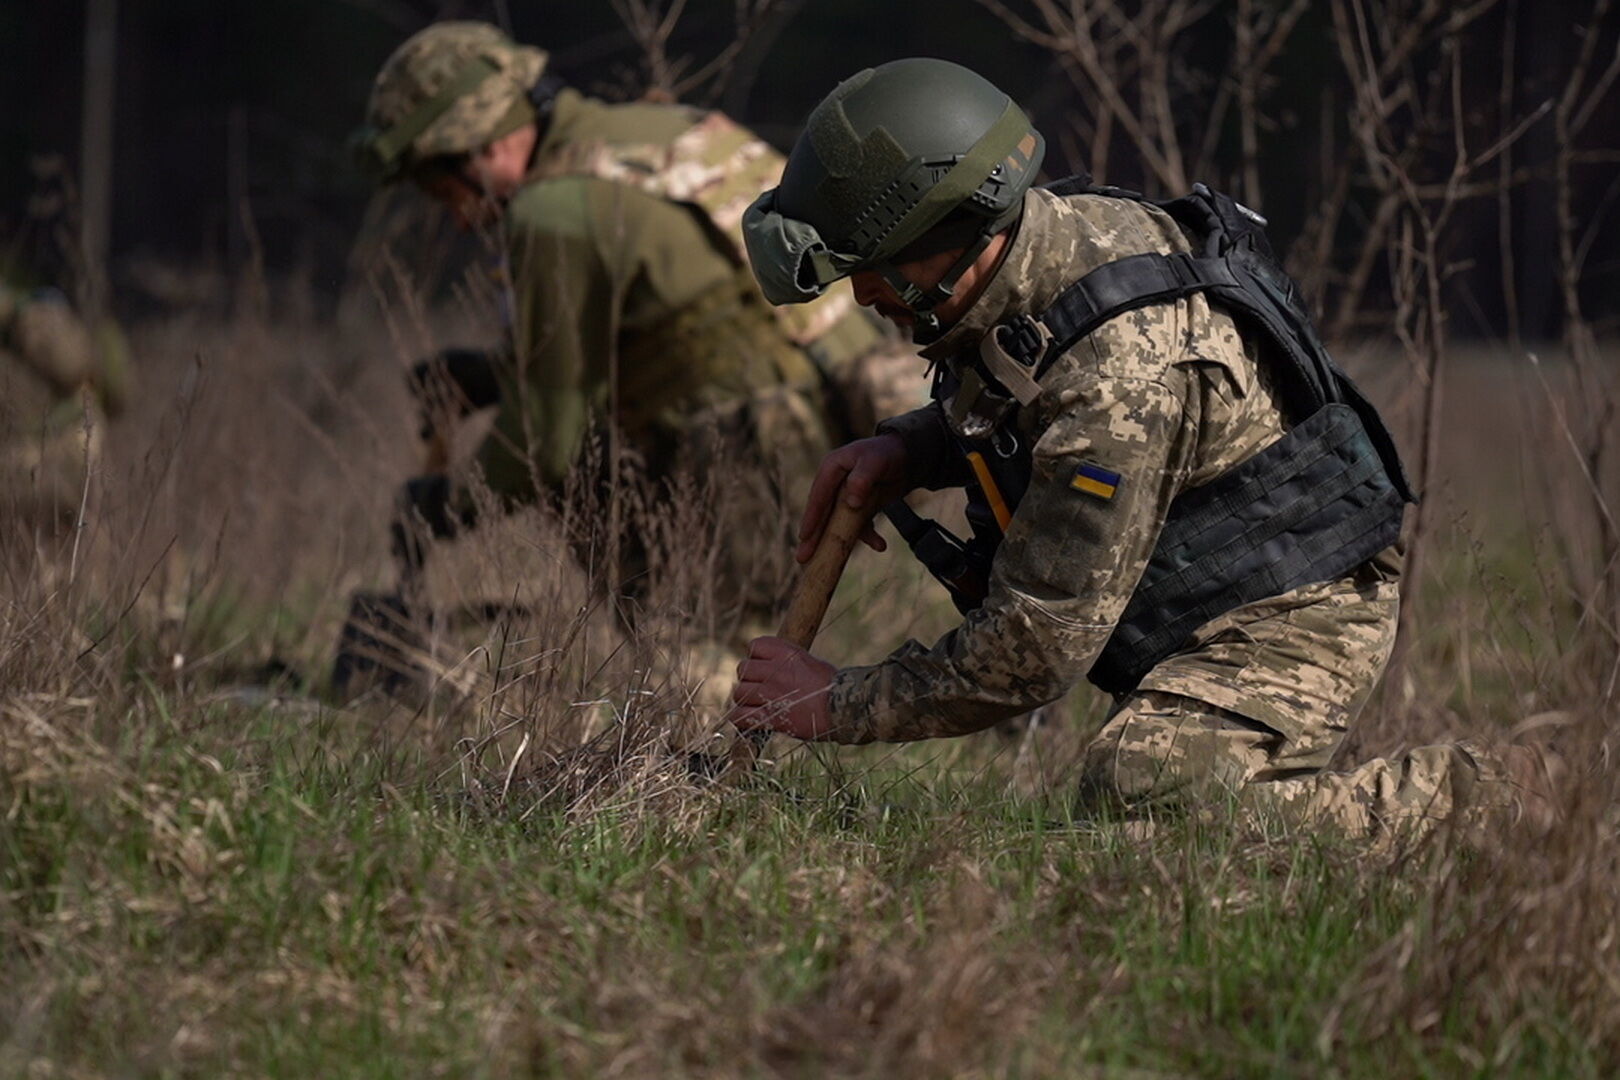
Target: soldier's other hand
[
  {"x": 781, "y": 688},
  {"x": 452, "y": 385},
  {"x": 867, "y": 474}
]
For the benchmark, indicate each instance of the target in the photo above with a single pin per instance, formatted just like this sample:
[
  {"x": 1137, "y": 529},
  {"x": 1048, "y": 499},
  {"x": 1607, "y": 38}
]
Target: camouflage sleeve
[
  {"x": 932, "y": 459},
  {"x": 563, "y": 312},
  {"x": 1107, "y": 463},
  {"x": 48, "y": 336}
]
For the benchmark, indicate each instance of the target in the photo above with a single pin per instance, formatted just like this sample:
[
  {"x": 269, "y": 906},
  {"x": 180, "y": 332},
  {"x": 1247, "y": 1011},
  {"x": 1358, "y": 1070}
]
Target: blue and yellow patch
[{"x": 1095, "y": 480}]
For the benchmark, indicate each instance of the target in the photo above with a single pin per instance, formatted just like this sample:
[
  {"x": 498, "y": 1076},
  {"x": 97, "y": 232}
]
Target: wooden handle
[
  {"x": 820, "y": 577},
  {"x": 808, "y": 607}
]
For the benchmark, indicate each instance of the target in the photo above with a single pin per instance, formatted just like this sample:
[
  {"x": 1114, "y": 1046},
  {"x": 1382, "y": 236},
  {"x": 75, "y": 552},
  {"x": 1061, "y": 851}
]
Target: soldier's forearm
[
  {"x": 932, "y": 459},
  {"x": 1005, "y": 659},
  {"x": 890, "y": 702}
]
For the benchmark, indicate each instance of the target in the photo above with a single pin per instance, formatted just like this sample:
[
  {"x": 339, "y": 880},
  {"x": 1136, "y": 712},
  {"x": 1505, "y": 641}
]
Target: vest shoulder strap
[
  {"x": 1234, "y": 266},
  {"x": 1124, "y": 285}
]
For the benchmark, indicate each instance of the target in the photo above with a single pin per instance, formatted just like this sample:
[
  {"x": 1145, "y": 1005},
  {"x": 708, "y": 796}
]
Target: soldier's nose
[{"x": 869, "y": 287}]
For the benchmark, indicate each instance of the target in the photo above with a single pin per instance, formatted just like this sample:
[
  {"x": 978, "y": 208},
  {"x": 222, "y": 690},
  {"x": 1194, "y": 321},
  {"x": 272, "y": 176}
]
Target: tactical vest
[{"x": 1311, "y": 507}]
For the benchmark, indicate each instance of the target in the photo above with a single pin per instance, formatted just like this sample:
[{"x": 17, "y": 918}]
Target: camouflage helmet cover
[
  {"x": 446, "y": 90},
  {"x": 890, "y": 154}
]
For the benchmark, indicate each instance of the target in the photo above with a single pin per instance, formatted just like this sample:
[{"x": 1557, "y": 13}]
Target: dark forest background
[{"x": 230, "y": 117}]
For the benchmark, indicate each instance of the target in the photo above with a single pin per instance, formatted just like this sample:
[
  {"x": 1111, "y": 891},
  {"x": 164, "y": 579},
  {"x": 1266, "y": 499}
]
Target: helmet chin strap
[{"x": 922, "y": 302}]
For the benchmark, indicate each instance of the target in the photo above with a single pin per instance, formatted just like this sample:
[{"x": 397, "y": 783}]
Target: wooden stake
[
  {"x": 808, "y": 606},
  {"x": 820, "y": 577}
]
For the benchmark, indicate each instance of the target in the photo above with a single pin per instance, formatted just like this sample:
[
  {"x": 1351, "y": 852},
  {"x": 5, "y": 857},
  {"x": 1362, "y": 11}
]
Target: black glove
[
  {"x": 454, "y": 384},
  {"x": 424, "y": 500}
]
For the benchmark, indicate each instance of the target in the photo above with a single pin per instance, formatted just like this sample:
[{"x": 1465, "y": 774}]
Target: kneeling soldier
[
  {"x": 1174, "y": 491},
  {"x": 634, "y": 310}
]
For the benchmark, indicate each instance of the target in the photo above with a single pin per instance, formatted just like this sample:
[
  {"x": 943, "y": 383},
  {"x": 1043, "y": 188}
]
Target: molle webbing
[
  {"x": 1235, "y": 269},
  {"x": 1127, "y": 284},
  {"x": 1311, "y": 507}
]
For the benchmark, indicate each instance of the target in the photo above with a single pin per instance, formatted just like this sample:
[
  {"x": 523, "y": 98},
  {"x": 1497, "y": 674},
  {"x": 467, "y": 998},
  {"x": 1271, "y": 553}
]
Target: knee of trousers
[{"x": 1164, "y": 747}]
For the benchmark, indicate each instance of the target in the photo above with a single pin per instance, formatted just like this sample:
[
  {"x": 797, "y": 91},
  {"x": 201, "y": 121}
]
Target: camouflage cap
[{"x": 448, "y": 90}]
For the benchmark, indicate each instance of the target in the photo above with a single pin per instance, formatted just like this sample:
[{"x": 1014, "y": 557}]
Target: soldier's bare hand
[
  {"x": 866, "y": 474},
  {"x": 781, "y": 688}
]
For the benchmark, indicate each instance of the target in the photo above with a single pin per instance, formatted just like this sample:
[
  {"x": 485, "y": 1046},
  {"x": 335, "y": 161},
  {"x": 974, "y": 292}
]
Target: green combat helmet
[
  {"x": 898, "y": 163},
  {"x": 450, "y": 89}
]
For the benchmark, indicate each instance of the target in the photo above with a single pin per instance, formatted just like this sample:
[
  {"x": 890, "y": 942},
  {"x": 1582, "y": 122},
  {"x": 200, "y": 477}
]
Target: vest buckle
[
  {"x": 1027, "y": 339},
  {"x": 1009, "y": 353},
  {"x": 975, "y": 411}
]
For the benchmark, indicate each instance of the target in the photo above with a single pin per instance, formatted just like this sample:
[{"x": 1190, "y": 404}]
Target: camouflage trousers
[
  {"x": 1255, "y": 710},
  {"x": 1166, "y": 751}
]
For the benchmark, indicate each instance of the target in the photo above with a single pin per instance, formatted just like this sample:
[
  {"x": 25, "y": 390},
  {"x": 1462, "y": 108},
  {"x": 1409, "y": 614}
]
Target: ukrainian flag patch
[{"x": 1095, "y": 480}]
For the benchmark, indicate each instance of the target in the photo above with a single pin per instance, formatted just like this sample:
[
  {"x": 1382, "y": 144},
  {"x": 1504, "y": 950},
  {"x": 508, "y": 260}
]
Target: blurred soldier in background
[
  {"x": 60, "y": 378},
  {"x": 1174, "y": 491},
  {"x": 633, "y": 311}
]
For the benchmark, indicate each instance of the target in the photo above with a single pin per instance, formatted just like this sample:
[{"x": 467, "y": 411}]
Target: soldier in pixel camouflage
[
  {"x": 1125, "y": 437},
  {"x": 59, "y": 380},
  {"x": 633, "y": 308}
]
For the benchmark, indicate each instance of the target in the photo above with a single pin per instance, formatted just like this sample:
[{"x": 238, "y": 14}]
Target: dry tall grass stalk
[
  {"x": 654, "y": 23},
  {"x": 157, "y": 667}
]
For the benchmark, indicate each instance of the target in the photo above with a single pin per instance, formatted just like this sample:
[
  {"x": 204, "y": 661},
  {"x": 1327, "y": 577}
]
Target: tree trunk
[{"x": 96, "y": 150}]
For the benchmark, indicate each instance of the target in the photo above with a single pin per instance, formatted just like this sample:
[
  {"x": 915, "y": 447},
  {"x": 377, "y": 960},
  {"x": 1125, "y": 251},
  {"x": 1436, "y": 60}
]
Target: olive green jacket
[{"x": 628, "y": 304}]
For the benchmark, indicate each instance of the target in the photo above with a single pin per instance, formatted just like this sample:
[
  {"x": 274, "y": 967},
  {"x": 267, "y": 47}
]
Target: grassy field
[{"x": 208, "y": 869}]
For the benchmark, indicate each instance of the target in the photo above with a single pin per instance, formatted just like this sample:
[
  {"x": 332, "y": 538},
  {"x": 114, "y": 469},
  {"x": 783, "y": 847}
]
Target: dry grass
[
  {"x": 519, "y": 879},
  {"x": 208, "y": 867}
]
